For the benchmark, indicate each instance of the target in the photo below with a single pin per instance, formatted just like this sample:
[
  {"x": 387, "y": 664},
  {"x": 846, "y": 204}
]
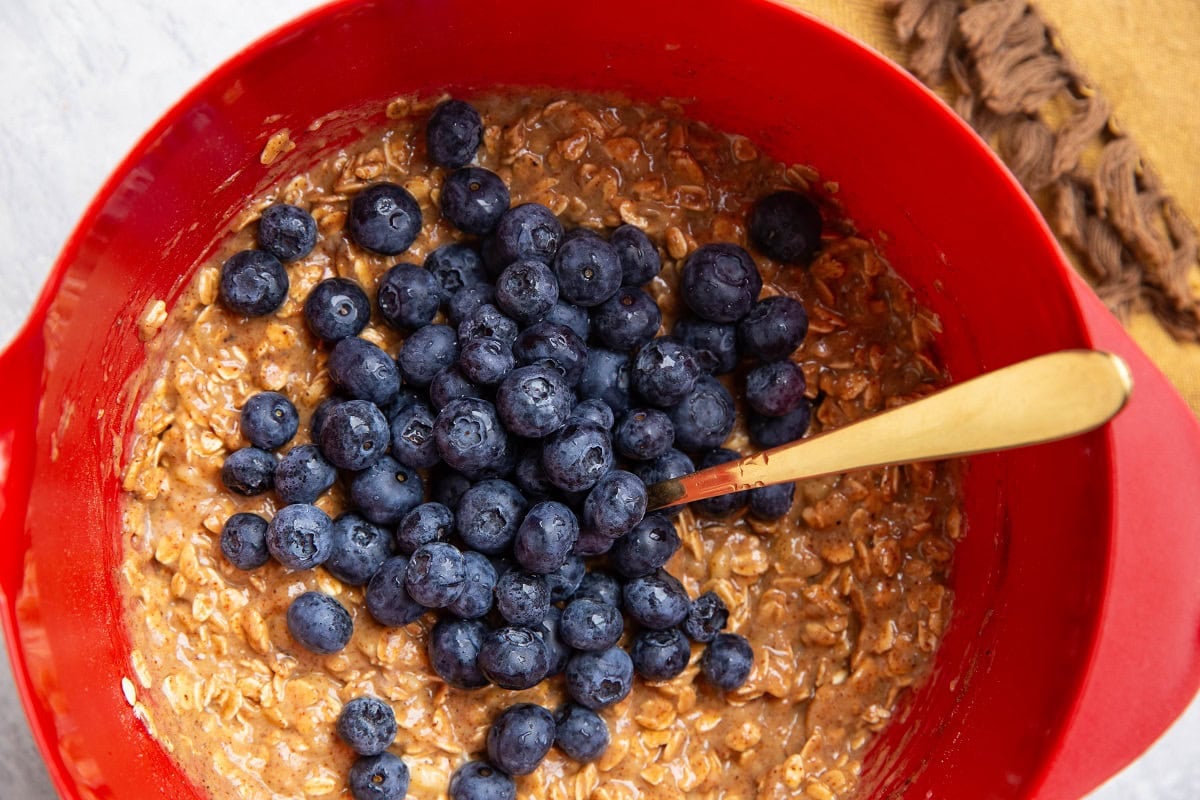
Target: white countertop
[{"x": 81, "y": 81}]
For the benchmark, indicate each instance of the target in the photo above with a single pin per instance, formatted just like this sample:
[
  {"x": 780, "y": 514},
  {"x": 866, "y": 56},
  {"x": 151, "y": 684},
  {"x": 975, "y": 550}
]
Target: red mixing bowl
[{"x": 1076, "y": 633}]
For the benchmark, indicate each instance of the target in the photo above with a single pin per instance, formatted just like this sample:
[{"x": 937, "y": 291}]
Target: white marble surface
[{"x": 80, "y": 80}]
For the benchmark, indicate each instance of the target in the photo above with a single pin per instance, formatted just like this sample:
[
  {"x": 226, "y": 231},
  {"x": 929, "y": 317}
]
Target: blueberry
[
  {"x": 581, "y": 733},
  {"x": 485, "y": 360},
  {"x": 387, "y": 600},
  {"x": 775, "y": 389},
  {"x": 706, "y": 617},
  {"x": 336, "y": 308},
  {"x": 588, "y": 271},
  {"x": 720, "y": 282},
  {"x": 479, "y": 780},
  {"x": 656, "y": 601},
  {"x": 449, "y": 486},
  {"x": 786, "y": 226},
  {"x": 487, "y": 320},
  {"x": 428, "y": 522},
  {"x": 774, "y": 431},
  {"x": 249, "y": 471},
  {"x": 453, "y": 134},
  {"x": 454, "y": 652},
  {"x": 436, "y": 575},
  {"x": 600, "y": 586},
  {"x": 405, "y": 399},
  {"x": 450, "y": 385},
  {"x": 384, "y": 218},
  {"x": 533, "y": 401},
  {"x": 645, "y": 549},
  {"x": 671, "y": 464},
  {"x": 287, "y": 232},
  {"x": 455, "y": 266},
  {"x": 473, "y": 199},
  {"x": 317, "y": 422},
  {"x": 244, "y": 541},
  {"x": 368, "y": 725},
  {"x": 530, "y": 476},
  {"x": 590, "y": 544},
  {"x": 526, "y": 291},
  {"x": 526, "y": 231},
  {"x": 469, "y": 435},
  {"x": 355, "y": 435},
  {"x": 644, "y": 434},
  {"x": 639, "y": 257},
  {"x": 488, "y": 516},
  {"x": 616, "y": 503},
  {"x": 705, "y": 417},
  {"x": 571, "y": 316},
  {"x": 409, "y": 296},
  {"x": 606, "y": 377},
  {"x": 381, "y": 777},
  {"x": 589, "y": 625},
  {"x": 548, "y": 633},
  {"x": 627, "y": 320},
  {"x": 773, "y": 329},
  {"x": 565, "y": 580},
  {"x": 772, "y": 502},
  {"x": 412, "y": 437},
  {"x": 362, "y": 371},
  {"x": 303, "y": 474},
  {"x": 469, "y": 299},
  {"x": 727, "y": 661},
  {"x": 724, "y": 504},
  {"x": 253, "y": 283},
  {"x": 660, "y": 655},
  {"x": 522, "y": 597},
  {"x": 425, "y": 353},
  {"x": 545, "y": 537},
  {"x": 663, "y": 371},
  {"x": 513, "y": 658},
  {"x": 359, "y": 549},
  {"x": 520, "y": 738},
  {"x": 300, "y": 536},
  {"x": 597, "y": 680},
  {"x": 595, "y": 411},
  {"x": 577, "y": 455},
  {"x": 478, "y": 590},
  {"x": 319, "y": 623},
  {"x": 387, "y": 490},
  {"x": 715, "y": 343},
  {"x": 553, "y": 345}
]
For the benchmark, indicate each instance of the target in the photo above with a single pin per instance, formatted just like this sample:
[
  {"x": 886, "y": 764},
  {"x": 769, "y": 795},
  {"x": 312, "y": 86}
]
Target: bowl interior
[{"x": 940, "y": 206}]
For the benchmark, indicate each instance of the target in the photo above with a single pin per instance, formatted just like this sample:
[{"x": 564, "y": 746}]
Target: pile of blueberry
[{"x": 497, "y": 466}]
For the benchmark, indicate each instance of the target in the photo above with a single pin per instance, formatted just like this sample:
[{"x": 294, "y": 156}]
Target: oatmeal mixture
[{"x": 844, "y": 600}]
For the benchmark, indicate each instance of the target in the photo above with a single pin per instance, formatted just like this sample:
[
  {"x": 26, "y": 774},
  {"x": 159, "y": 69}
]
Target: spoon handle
[{"x": 1039, "y": 400}]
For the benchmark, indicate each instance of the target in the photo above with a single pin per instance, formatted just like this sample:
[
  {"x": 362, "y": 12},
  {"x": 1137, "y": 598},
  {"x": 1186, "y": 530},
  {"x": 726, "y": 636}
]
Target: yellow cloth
[{"x": 1143, "y": 57}]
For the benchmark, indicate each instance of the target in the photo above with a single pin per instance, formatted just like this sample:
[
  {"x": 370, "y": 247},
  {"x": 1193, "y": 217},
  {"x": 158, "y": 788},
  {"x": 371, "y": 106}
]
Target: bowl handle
[
  {"x": 21, "y": 370},
  {"x": 1145, "y": 661}
]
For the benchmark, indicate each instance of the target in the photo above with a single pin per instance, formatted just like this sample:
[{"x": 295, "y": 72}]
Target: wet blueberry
[
  {"x": 552, "y": 345},
  {"x": 479, "y": 780},
  {"x": 244, "y": 541},
  {"x": 455, "y": 266},
  {"x": 387, "y": 600},
  {"x": 775, "y": 388},
  {"x": 727, "y": 661},
  {"x": 606, "y": 377},
  {"x": 594, "y": 411},
  {"x": 588, "y": 271},
  {"x": 485, "y": 360},
  {"x": 645, "y": 549},
  {"x": 359, "y": 549},
  {"x": 336, "y": 308},
  {"x": 526, "y": 291},
  {"x": 387, "y": 490},
  {"x": 533, "y": 401},
  {"x": 469, "y": 435},
  {"x": 664, "y": 371},
  {"x": 571, "y": 316},
  {"x": 453, "y": 134},
  {"x": 530, "y": 476},
  {"x": 772, "y": 502},
  {"x": 724, "y": 504},
  {"x": 449, "y": 486},
  {"x": 581, "y": 733},
  {"x": 720, "y": 282},
  {"x": 548, "y": 633},
  {"x": 576, "y": 456},
  {"x": 253, "y": 283},
  {"x": 589, "y": 625},
  {"x": 426, "y": 352},
  {"x": 473, "y": 199},
  {"x": 478, "y": 590},
  {"x": 405, "y": 399},
  {"x": 487, "y": 320},
  {"x": 597, "y": 680},
  {"x": 526, "y": 231},
  {"x": 436, "y": 575},
  {"x": 522, "y": 597},
  {"x": 627, "y": 320},
  {"x": 600, "y": 586},
  {"x": 303, "y": 474},
  {"x": 300, "y": 536},
  {"x": 362, "y": 371},
  {"x": 660, "y": 655},
  {"x": 249, "y": 471},
  {"x": 615, "y": 504},
  {"x": 412, "y": 437},
  {"x": 450, "y": 385},
  {"x": 644, "y": 434},
  {"x": 355, "y": 435},
  {"x": 317, "y": 421},
  {"x": 590, "y": 544},
  {"x": 287, "y": 232},
  {"x": 671, "y": 464},
  {"x": 520, "y": 738},
  {"x": 565, "y": 580},
  {"x": 706, "y": 617},
  {"x": 469, "y": 299},
  {"x": 715, "y": 343},
  {"x": 319, "y": 623},
  {"x": 774, "y": 431},
  {"x": 381, "y": 777},
  {"x": 638, "y": 255},
  {"x": 773, "y": 329},
  {"x": 368, "y": 725},
  {"x": 454, "y": 652},
  {"x": 513, "y": 658},
  {"x": 408, "y": 296},
  {"x": 545, "y": 538},
  {"x": 384, "y": 218},
  {"x": 488, "y": 516},
  {"x": 786, "y": 226},
  {"x": 656, "y": 601},
  {"x": 426, "y": 523},
  {"x": 705, "y": 417}
]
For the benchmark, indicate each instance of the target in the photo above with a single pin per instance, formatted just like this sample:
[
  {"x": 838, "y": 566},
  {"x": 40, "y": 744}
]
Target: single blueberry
[
  {"x": 727, "y": 661},
  {"x": 660, "y": 655},
  {"x": 319, "y": 623},
  {"x": 606, "y": 376},
  {"x": 773, "y": 329},
  {"x": 581, "y": 733},
  {"x": 408, "y": 296},
  {"x": 533, "y": 401},
  {"x": 455, "y": 266},
  {"x": 428, "y": 522},
  {"x": 786, "y": 226},
  {"x": 381, "y": 777},
  {"x": 479, "y": 780},
  {"x": 387, "y": 490},
  {"x": 588, "y": 271},
  {"x": 671, "y": 464},
  {"x": 577, "y": 455},
  {"x": 453, "y": 134},
  {"x": 355, "y": 435},
  {"x": 454, "y": 652},
  {"x": 450, "y": 385},
  {"x": 656, "y": 601},
  {"x": 317, "y": 422},
  {"x": 548, "y": 632},
  {"x": 645, "y": 549},
  {"x": 644, "y": 434},
  {"x": 469, "y": 299},
  {"x": 244, "y": 541},
  {"x": 253, "y": 283},
  {"x": 488, "y": 516},
  {"x": 448, "y": 487},
  {"x": 336, "y": 308},
  {"x": 362, "y": 371},
  {"x": 776, "y": 388},
  {"x": 250, "y": 471},
  {"x": 287, "y": 232},
  {"x": 565, "y": 580},
  {"x": 425, "y": 353},
  {"x": 359, "y": 549},
  {"x": 513, "y": 658},
  {"x": 479, "y": 589},
  {"x": 405, "y": 399},
  {"x": 627, "y": 320},
  {"x": 545, "y": 538},
  {"x": 589, "y": 625},
  {"x": 384, "y": 218},
  {"x": 269, "y": 420},
  {"x": 715, "y": 343},
  {"x": 600, "y": 586},
  {"x": 473, "y": 199},
  {"x": 595, "y": 411},
  {"x": 412, "y": 437},
  {"x": 368, "y": 725},
  {"x": 571, "y": 316},
  {"x": 522, "y": 597},
  {"x": 707, "y": 616},
  {"x": 724, "y": 504},
  {"x": 774, "y": 431},
  {"x": 485, "y": 360},
  {"x": 526, "y": 291},
  {"x": 387, "y": 600},
  {"x": 599, "y": 679},
  {"x": 591, "y": 543},
  {"x": 530, "y": 476},
  {"x": 436, "y": 574},
  {"x": 640, "y": 261},
  {"x": 663, "y": 371},
  {"x": 300, "y": 536},
  {"x": 552, "y": 345},
  {"x": 772, "y": 502},
  {"x": 526, "y": 231},
  {"x": 520, "y": 738},
  {"x": 720, "y": 282},
  {"x": 704, "y": 418},
  {"x": 487, "y": 320},
  {"x": 303, "y": 474},
  {"x": 615, "y": 505}
]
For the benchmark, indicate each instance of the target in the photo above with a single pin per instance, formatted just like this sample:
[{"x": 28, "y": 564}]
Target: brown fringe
[{"x": 1007, "y": 75}]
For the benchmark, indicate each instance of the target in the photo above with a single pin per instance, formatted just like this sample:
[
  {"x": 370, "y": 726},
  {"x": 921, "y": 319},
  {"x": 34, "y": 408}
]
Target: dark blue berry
[
  {"x": 720, "y": 282},
  {"x": 656, "y": 601},
  {"x": 533, "y": 401},
  {"x": 606, "y": 377},
  {"x": 594, "y": 411},
  {"x": 660, "y": 655},
  {"x": 577, "y": 455},
  {"x": 485, "y": 360},
  {"x": 522, "y": 597},
  {"x": 448, "y": 487},
  {"x": 381, "y": 777},
  {"x": 591, "y": 543},
  {"x": 300, "y": 536},
  {"x": 455, "y": 266},
  {"x": 453, "y": 134},
  {"x": 368, "y": 725},
  {"x": 616, "y": 503},
  {"x": 488, "y": 516},
  {"x": 581, "y": 733},
  {"x": 473, "y": 199},
  {"x": 253, "y": 283},
  {"x": 528, "y": 231},
  {"x": 715, "y": 343},
  {"x": 426, "y": 352},
  {"x": 469, "y": 299},
  {"x": 645, "y": 549},
  {"x": 244, "y": 541},
  {"x": 250, "y": 471},
  {"x": 706, "y": 617},
  {"x": 520, "y": 738},
  {"x": 557, "y": 652},
  {"x": 454, "y": 652},
  {"x": 450, "y": 385},
  {"x": 436, "y": 575},
  {"x": 336, "y": 308},
  {"x": 565, "y": 580},
  {"x": 640, "y": 262},
  {"x": 469, "y": 435},
  {"x": 319, "y": 623},
  {"x": 317, "y": 422},
  {"x": 663, "y": 371},
  {"x": 775, "y": 388},
  {"x": 408, "y": 296},
  {"x": 571, "y": 316},
  {"x": 727, "y": 661},
  {"x": 552, "y": 345},
  {"x": 588, "y": 271},
  {"x": 774, "y": 431},
  {"x": 359, "y": 549},
  {"x": 772, "y": 502},
  {"x": 478, "y": 590},
  {"x": 362, "y": 371},
  {"x": 412, "y": 437},
  {"x": 644, "y": 434},
  {"x": 530, "y": 476},
  {"x": 723, "y": 504},
  {"x": 671, "y": 464},
  {"x": 384, "y": 218},
  {"x": 600, "y": 586},
  {"x": 303, "y": 474},
  {"x": 387, "y": 599},
  {"x": 589, "y": 625},
  {"x": 545, "y": 538},
  {"x": 287, "y": 232},
  {"x": 513, "y": 658},
  {"x": 405, "y": 399},
  {"x": 773, "y": 329},
  {"x": 627, "y": 320},
  {"x": 600, "y": 679},
  {"x": 428, "y": 522},
  {"x": 786, "y": 226},
  {"x": 526, "y": 291},
  {"x": 705, "y": 417},
  {"x": 355, "y": 435},
  {"x": 479, "y": 780},
  {"x": 487, "y": 320},
  {"x": 387, "y": 490}
]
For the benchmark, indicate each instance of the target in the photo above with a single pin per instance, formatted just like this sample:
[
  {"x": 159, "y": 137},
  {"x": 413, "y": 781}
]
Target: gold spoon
[{"x": 1040, "y": 400}]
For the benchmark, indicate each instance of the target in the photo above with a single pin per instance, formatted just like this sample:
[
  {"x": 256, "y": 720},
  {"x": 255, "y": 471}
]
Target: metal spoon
[{"x": 1043, "y": 399}]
